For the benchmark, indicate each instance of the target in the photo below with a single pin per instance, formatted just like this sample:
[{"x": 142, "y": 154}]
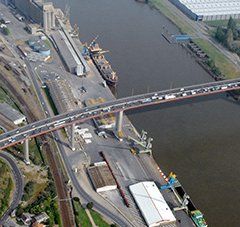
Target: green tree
[
  {"x": 90, "y": 205},
  {"x": 220, "y": 34},
  {"x": 232, "y": 24},
  {"x": 6, "y": 31},
  {"x": 229, "y": 39}
]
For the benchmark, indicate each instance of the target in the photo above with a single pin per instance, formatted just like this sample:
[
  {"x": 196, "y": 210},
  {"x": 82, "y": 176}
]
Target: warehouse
[
  {"x": 10, "y": 113},
  {"x": 208, "y": 10},
  {"x": 157, "y": 211},
  {"x": 101, "y": 177}
]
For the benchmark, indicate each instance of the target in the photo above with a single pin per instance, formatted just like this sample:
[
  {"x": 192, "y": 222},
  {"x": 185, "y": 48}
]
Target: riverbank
[{"x": 225, "y": 66}]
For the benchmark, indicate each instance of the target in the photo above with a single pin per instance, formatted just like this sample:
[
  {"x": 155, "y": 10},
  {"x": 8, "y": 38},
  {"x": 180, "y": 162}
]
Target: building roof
[
  {"x": 101, "y": 176},
  {"x": 10, "y": 113},
  {"x": 157, "y": 210},
  {"x": 212, "y": 7}
]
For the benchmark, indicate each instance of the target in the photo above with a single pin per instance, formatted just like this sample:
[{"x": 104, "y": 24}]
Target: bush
[
  {"x": 76, "y": 199},
  {"x": 90, "y": 205}
]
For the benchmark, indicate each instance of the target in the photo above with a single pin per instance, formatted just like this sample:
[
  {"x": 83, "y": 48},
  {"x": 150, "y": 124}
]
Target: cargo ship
[{"x": 102, "y": 64}]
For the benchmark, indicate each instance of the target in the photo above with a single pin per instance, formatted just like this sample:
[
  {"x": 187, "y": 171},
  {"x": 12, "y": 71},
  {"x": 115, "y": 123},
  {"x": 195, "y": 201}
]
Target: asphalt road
[
  {"x": 19, "y": 185},
  {"x": 60, "y": 121},
  {"x": 120, "y": 221}
]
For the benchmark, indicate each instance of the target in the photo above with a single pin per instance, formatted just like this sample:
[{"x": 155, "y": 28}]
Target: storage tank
[
  {"x": 37, "y": 47},
  {"x": 32, "y": 41},
  {"x": 45, "y": 51}
]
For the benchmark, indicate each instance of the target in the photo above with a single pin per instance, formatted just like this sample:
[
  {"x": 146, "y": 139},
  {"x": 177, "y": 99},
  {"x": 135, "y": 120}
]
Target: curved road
[{"x": 18, "y": 185}]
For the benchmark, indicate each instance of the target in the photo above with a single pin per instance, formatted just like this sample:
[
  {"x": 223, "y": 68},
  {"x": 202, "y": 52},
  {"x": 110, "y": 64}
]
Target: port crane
[{"x": 144, "y": 142}]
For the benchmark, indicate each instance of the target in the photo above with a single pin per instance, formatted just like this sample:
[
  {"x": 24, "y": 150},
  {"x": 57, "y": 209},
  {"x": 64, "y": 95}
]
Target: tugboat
[{"x": 103, "y": 66}]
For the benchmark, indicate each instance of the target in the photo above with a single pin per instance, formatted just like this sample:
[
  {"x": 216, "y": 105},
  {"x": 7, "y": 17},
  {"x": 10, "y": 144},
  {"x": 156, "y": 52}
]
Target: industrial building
[
  {"x": 104, "y": 122},
  {"x": 208, "y": 10},
  {"x": 101, "y": 177},
  {"x": 62, "y": 96},
  {"x": 73, "y": 60},
  {"x": 39, "y": 11},
  {"x": 11, "y": 114},
  {"x": 151, "y": 203}
]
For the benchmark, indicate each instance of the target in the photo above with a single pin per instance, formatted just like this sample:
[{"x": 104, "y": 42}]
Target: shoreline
[{"x": 222, "y": 62}]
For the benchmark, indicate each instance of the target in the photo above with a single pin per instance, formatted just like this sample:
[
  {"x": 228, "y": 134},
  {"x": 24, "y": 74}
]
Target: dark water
[{"x": 197, "y": 139}]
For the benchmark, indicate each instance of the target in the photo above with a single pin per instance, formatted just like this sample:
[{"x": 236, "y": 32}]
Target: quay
[{"x": 125, "y": 151}]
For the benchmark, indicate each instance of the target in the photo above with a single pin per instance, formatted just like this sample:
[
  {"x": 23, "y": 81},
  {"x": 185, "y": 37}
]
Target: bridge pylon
[
  {"x": 73, "y": 137},
  {"x": 118, "y": 125},
  {"x": 26, "y": 152}
]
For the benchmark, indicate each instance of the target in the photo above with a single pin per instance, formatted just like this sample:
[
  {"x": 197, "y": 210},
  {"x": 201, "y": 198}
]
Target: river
[{"x": 197, "y": 139}]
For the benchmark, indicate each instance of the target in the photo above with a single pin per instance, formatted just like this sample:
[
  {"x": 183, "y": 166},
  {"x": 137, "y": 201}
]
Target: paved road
[
  {"x": 60, "y": 121},
  {"x": 19, "y": 184}
]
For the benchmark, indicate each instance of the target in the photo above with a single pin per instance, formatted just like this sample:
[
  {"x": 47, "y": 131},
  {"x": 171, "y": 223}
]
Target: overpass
[{"x": 118, "y": 106}]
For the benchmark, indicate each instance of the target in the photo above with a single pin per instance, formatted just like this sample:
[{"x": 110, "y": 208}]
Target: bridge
[{"x": 118, "y": 106}]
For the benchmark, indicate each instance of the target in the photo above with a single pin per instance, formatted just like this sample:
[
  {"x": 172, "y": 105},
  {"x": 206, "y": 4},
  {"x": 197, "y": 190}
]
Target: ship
[{"x": 102, "y": 64}]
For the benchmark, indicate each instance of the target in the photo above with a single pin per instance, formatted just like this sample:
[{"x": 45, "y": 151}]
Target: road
[
  {"x": 60, "y": 121},
  {"x": 74, "y": 180},
  {"x": 200, "y": 31},
  {"x": 19, "y": 184}
]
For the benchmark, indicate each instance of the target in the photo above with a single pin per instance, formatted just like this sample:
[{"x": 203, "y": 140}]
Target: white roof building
[
  {"x": 11, "y": 114},
  {"x": 151, "y": 203},
  {"x": 209, "y": 9}
]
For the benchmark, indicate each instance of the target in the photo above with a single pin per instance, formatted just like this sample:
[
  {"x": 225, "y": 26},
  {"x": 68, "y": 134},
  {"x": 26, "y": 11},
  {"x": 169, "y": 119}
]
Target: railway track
[{"x": 67, "y": 216}]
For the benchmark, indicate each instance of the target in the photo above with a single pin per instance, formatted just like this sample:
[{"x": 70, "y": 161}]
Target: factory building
[
  {"x": 101, "y": 177},
  {"x": 39, "y": 11},
  {"x": 208, "y": 10},
  {"x": 71, "y": 56},
  {"x": 151, "y": 203},
  {"x": 11, "y": 114}
]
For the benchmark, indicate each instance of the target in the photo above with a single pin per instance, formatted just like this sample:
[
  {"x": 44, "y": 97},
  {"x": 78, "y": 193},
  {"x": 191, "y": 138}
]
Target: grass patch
[
  {"x": 225, "y": 66},
  {"x": 179, "y": 22},
  {"x": 222, "y": 23},
  {"x": 81, "y": 217},
  {"x": 6, "y": 186},
  {"x": 98, "y": 219},
  {"x": 4, "y": 97},
  {"x": 34, "y": 151},
  {"x": 50, "y": 100},
  {"x": 221, "y": 62}
]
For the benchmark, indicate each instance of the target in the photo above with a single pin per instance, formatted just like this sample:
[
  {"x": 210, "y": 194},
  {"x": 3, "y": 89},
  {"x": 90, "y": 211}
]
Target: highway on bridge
[{"x": 80, "y": 115}]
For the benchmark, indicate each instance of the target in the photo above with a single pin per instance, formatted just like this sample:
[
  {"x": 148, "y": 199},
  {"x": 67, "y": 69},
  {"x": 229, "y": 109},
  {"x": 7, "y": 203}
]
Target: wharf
[{"x": 127, "y": 168}]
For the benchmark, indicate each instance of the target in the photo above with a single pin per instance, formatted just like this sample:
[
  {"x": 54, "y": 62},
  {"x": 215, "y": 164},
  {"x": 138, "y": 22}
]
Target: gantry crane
[{"x": 143, "y": 142}]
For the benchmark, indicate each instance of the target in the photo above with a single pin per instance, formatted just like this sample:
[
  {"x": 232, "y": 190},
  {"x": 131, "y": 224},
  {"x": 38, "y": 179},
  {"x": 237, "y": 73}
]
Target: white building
[
  {"x": 10, "y": 113},
  {"x": 205, "y": 10},
  {"x": 151, "y": 203}
]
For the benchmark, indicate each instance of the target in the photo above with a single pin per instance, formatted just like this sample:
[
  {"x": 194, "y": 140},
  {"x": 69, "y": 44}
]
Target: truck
[
  {"x": 170, "y": 96},
  {"x": 198, "y": 218}
]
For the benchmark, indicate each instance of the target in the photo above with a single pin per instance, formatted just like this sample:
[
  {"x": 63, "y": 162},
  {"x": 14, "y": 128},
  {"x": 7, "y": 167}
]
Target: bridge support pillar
[
  {"x": 26, "y": 152},
  {"x": 118, "y": 125},
  {"x": 73, "y": 137}
]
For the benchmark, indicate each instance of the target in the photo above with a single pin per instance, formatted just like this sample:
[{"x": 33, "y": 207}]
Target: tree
[
  {"x": 6, "y": 31},
  {"x": 232, "y": 24},
  {"x": 220, "y": 34},
  {"x": 90, "y": 205},
  {"x": 229, "y": 39}
]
